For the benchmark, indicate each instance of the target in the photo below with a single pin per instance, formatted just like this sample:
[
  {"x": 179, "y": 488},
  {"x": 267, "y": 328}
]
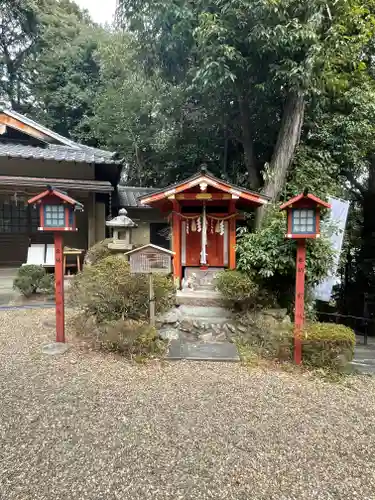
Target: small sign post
[
  {"x": 152, "y": 300},
  {"x": 303, "y": 213},
  {"x": 150, "y": 259},
  {"x": 57, "y": 215}
]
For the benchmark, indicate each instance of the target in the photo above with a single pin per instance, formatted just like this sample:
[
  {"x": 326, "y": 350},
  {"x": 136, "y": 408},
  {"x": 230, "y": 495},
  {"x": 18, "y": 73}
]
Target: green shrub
[
  {"x": 266, "y": 336},
  {"x": 33, "y": 279},
  {"x": 241, "y": 291},
  {"x": 271, "y": 258},
  {"x": 327, "y": 345},
  {"x": 109, "y": 292},
  {"x": 98, "y": 252},
  {"x": 134, "y": 339},
  {"x": 324, "y": 345}
]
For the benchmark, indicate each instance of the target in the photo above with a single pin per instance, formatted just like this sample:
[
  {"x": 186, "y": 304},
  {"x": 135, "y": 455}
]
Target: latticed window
[
  {"x": 54, "y": 216},
  {"x": 17, "y": 217},
  {"x": 303, "y": 221}
]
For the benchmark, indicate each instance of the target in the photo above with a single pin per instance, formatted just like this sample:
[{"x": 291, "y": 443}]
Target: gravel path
[{"x": 90, "y": 426}]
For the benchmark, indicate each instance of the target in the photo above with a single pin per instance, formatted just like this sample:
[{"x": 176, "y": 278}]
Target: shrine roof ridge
[{"x": 204, "y": 176}]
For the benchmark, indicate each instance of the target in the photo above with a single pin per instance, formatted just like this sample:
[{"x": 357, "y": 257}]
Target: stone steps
[
  {"x": 199, "y": 297},
  {"x": 197, "y": 323},
  {"x": 196, "y": 279}
]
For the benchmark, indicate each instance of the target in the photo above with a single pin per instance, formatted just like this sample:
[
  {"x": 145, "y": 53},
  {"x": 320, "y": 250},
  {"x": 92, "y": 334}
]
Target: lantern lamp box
[
  {"x": 56, "y": 210},
  {"x": 303, "y": 212},
  {"x": 150, "y": 259}
]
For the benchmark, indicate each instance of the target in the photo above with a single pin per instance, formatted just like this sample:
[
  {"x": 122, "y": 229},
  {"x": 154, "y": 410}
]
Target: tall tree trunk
[
  {"x": 287, "y": 141},
  {"x": 225, "y": 159},
  {"x": 366, "y": 272},
  {"x": 247, "y": 143}
]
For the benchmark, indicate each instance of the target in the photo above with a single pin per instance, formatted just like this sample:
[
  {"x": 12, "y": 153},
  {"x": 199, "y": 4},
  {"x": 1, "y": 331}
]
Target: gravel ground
[{"x": 91, "y": 426}]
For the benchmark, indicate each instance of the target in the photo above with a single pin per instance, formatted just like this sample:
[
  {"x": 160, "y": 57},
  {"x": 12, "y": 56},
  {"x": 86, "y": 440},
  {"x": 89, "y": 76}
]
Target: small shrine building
[{"x": 202, "y": 211}]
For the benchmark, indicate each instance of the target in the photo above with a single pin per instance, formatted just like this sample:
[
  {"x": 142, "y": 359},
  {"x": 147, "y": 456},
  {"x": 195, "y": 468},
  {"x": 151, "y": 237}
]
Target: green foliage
[
  {"x": 327, "y": 345},
  {"x": 109, "y": 292},
  {"x": 32, "y": 279},
  {"x": 272, "y": 258},
  {"x": 241, "y": 290},
  {"x": 268, "y": 336},
  {"x": 187, "y": 83},
  {"x": 134, "y": 339},
  {"x": 98, "y": 252},
  {"x": 324, "y": 345}
]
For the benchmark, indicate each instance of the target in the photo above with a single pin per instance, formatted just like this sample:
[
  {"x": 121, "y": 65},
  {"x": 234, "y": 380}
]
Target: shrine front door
[{"x": 217, "y": 247}]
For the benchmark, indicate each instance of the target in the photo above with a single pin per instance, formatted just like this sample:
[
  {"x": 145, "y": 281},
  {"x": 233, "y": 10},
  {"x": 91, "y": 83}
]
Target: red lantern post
[
  {"x": 59, "y": 288},
  {"x": 57, "y": 215},
  {"x": 303, "y": 212}
]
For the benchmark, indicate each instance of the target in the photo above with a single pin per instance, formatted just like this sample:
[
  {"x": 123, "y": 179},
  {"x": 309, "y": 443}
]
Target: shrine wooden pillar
[
  {"x": 232, "y": 235},
  {"x": 176, "y": 242}
]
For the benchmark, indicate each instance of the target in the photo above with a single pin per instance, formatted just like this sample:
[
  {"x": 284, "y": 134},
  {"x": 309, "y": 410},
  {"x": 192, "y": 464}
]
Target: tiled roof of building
[
  {"x": 82, "y": 154},
  {"x": 128, "y": 195},
  {"x": 53, "y": 145},
  {"x": 68, "y": 184}
]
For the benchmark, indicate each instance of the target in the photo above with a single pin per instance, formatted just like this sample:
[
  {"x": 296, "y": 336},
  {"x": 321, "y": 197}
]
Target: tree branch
[{"x": 353, "y": 181}]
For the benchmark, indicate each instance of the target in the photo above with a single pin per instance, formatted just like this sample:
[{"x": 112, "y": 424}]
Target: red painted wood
[
  {"x": 59, "y": 288},
  {"x": 299, "y": 313},
  {"x": 203, "y": 196},
  {"x": 66, "y": 215},
  {"x": 232, "y": 235},
  {"x": 176, "y": 241},
  {"x": 302, "y": 236},
  {"x": 193, "y": 248},
  {"x": 215, "y": 249},
  {"x": 212, "y": 181},
  {"x": 298, "y": 200},
  {"x": 41, "y": 215},
  {"x": 317, "y": 221},
  {"x": 50, "y": 195}
]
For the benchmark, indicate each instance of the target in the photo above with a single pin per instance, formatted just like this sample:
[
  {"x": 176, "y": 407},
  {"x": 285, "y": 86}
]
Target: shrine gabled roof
[
  {"x": 210, "y": 180},
  {"x": 305, "y": 196}
]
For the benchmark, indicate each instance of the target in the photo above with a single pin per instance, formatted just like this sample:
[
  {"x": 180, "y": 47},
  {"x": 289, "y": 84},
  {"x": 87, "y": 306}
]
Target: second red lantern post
[{"x": 303, "y": 215}]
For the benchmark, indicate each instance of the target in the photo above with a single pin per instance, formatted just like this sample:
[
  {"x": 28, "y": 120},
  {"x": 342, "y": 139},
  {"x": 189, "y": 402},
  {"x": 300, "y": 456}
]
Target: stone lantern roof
[{"x": 121, "y": 221}]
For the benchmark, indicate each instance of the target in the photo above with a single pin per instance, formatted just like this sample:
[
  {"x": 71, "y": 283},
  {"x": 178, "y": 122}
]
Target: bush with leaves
[
  {"x": 109, "y": 292},
  {"x": 327, "y": 345},
  {"x": 324, "y": 345},
  {"x": 134, "y": 339},
  {"x": 33, "y": 279},
  {"x": 98, "y": 251},
  {"x": 114, "y": 307},
  {"x": 272, "y": 258},
  {"x": 241, "y": 290}
]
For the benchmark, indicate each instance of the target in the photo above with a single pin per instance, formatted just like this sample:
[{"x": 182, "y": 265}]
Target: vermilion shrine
[{"x": 203, "y": 210}]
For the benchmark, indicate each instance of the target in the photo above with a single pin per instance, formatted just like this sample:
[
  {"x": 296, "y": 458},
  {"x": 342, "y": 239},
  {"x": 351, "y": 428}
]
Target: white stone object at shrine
[{"x": 122, "y": 228}]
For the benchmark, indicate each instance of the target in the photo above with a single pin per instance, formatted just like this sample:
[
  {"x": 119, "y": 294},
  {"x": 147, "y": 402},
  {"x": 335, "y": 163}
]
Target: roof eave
[
  {"x": 210, "y": 180},
  {"x": 301, "y": 196}
]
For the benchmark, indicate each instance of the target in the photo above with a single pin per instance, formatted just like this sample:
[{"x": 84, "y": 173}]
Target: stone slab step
[
  {"x": 213, "y": 312},
  {"x": 203, "y": 351},
  {"x": 199, "y": 298}
]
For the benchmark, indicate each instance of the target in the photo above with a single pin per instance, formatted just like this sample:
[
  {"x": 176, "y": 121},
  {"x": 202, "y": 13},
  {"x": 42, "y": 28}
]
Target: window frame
[{"x": 310, "y": 211}]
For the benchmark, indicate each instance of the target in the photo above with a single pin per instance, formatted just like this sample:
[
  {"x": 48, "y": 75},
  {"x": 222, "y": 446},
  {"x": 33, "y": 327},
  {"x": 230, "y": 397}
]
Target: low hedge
[
  {"x": 33, "y": 279},
  {"x": 324, "y": 345},
  {"x": 133, "y": 339},
  {"x": 327, "y": 345}
]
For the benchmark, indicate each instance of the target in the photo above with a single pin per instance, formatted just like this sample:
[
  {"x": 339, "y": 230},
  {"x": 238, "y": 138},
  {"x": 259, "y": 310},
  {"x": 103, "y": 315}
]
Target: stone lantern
[{"x": 122, "y": 228}]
